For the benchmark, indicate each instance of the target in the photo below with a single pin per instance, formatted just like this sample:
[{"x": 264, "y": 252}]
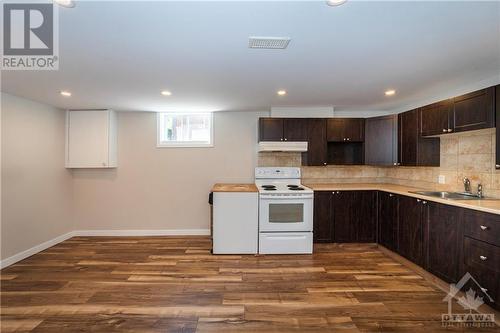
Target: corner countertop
[
  {"x": 234, "y": 188},
  {"x": 485, "y": 205}
]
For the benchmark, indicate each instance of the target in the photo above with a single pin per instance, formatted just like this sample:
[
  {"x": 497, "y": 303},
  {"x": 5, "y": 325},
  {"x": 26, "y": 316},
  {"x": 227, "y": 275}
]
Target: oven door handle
[{"x": 285, "y": 237}]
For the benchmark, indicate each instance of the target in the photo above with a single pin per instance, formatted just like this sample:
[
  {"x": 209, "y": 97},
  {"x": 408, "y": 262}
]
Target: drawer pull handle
[
  {"x": 483, "y": 258},
  {"x": 483, "y": 227}
]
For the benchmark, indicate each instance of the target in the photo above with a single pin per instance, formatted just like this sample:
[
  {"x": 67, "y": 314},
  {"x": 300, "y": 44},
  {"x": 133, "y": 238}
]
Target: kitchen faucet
[
  {"x": 467, "y": 185},
  {"x": 479, "y": 190}
]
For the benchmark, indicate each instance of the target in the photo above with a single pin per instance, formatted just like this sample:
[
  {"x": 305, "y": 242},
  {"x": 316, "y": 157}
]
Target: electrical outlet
[{"x": 442, "y": 179}]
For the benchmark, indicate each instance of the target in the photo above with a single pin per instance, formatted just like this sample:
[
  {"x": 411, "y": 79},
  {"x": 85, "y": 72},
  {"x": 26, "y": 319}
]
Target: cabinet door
[
  {"x": 364, "y": 210},
  {"x": 295, "y": 129},
  {"x": 88, "y": 139},
  {"x": 408, "y": 137},
  {"x": 498, "y": 126},
  {"x": 354, "y": 129},
  {"x": 474, "y": 111},
  {"x": 317, "y": 151},
  {"x": 323, "y": 222},
  {"x": 388, "y": 220},
  {"x": 344, "y": 230},
  {"x": 482, "y": 261},
  {"x": 381, "y": 140},
  {"x": 270, "y": 129},
  {"x": 335, "y": 130},
  {"x": 410, "y": 231},
  {"x": 443, "y": 241},
  {"x": 434, "y": 118}
]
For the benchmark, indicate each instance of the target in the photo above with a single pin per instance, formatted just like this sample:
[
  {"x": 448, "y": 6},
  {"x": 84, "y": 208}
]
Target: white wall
[
  {"x": 36, "y": 188},
  {"x": 164, "y": 188}
]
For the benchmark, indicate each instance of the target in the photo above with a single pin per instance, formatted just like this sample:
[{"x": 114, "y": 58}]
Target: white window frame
[{"x": 181, "y": 144}]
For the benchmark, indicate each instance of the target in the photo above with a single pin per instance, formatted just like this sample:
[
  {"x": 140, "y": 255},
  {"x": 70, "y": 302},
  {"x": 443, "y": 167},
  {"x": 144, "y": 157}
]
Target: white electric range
[{"x": 285, "y": 211}]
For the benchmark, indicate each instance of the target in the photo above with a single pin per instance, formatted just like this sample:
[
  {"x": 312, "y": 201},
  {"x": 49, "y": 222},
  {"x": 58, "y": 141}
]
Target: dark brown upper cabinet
[
  {"x": 474, "y": 111},
  {"x": 435, "y": 119},
  {"x": 468, "y": 112},
  {"x": 381, "y": 140},
  {"x": 283, "y": 129},
  {"x": 345, "y": 129},
  {"x": 498, "y": 126},
  {"x": 295, "y": 129},
  {"x": 413, "y": 149},
  {"x": 317, "y": 150},
  {"x": 270, "y": 129}
]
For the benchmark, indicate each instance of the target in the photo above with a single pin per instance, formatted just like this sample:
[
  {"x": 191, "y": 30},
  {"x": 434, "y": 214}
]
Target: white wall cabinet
[{"x": 91, "y": 139}]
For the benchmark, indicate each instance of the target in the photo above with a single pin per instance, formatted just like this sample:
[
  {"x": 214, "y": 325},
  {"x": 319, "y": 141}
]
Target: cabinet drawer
[
  {"x": 482, "y": 255},
  {"x": 482, "y": 226}
]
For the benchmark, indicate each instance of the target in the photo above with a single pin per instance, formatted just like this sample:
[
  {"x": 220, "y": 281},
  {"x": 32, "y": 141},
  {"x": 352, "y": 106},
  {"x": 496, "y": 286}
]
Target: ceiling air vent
[{"x": 268, "y": 42}]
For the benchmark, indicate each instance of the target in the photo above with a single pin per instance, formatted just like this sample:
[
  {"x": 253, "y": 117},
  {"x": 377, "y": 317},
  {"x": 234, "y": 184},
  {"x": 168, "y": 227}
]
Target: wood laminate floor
[{"x": 172, "y": 284}]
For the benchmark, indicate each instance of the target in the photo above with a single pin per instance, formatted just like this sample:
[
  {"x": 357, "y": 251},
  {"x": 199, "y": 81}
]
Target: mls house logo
[
  {"x": 470, "y": 301},
  {"x": 30, "y": 39}
]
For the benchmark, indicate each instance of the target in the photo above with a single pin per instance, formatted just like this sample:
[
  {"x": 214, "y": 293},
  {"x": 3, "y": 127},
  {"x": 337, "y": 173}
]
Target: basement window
[{"x": 185, "y": 129}]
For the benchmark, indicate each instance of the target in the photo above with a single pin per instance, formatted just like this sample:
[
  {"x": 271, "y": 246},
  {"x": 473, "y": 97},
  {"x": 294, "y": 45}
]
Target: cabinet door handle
[
  {"x": 484, "y": 290},
  {"x": 424, "y": 202},
  {"x": 450, "y": 130},
  {"x": 483, "y": 258},
  {"x": 483, "y": 227},
  {"x": 333, "y": 192},
  {"x": 348, "y": 139},
  {"x": 286, "y": 139},
  {"x": 418, "y": 200},
  {"x": 324, "y": 163},
  {"x": 391, "y": 195},
  {"x": 281, "y": 139},
  {"x": 497, "y": 166},
  {"x": 444, "y": 130}
]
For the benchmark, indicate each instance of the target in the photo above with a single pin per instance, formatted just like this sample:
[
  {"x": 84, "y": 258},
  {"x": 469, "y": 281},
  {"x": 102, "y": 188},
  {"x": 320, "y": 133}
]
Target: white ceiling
[{"x": 121, "y": 54}]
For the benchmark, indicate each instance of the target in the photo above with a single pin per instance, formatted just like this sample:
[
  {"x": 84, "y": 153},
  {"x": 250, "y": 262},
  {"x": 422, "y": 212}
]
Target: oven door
[{"x": 286, "y": 213}]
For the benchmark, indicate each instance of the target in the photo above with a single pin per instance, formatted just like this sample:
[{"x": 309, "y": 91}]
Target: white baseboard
[
  {"x": 161, "y": 232},
  {"x": 34, "y": 250},
  {"x": 166, "y": 232}
]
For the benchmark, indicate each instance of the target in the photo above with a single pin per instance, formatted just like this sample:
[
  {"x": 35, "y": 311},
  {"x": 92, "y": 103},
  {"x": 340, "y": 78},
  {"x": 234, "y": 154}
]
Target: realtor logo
[
  {"x": 470, "y": 301},
  {"x": 30, "y": 38}
]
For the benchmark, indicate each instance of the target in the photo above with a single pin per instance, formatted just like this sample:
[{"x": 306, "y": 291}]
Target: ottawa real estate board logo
[{"x": 30, "y": 36}]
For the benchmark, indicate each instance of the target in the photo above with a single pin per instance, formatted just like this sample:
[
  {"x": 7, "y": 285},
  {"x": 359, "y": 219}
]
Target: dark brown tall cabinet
[
  {"x": 411, "y": 228},
  {"x": 317, "y": 146},
  {"x": 413, "y": 149}
]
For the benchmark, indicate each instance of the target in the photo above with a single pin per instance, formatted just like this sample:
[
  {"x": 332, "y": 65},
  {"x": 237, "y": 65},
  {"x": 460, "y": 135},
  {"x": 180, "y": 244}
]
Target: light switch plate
[{"x": 442, "y": 179}]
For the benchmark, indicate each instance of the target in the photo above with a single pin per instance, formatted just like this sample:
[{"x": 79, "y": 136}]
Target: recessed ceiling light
[
  {"x": 65, "y": 3},
  {"x": 166, "y": 93},
  {"x": 281, "y": 92},
  {"x": 334, "y": 3},
  {"x": 65, "y": 93},
  {"x": 390, "y": 92}
]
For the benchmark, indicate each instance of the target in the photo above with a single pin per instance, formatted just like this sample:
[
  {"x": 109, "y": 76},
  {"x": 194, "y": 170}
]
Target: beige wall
[
  {"x": 469, "y": 154},
  {"x": 164, "y": 188},
  {"x": 36, "y": 188}
]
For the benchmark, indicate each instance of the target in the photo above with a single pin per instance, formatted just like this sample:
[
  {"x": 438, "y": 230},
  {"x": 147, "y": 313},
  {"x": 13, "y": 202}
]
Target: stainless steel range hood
[{"x": 286, "y": 146}]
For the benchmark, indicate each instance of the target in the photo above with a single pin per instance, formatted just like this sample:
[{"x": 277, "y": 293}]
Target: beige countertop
[
  {"x": 234, "y": 188},
  {"x": 488, "y": 206}
]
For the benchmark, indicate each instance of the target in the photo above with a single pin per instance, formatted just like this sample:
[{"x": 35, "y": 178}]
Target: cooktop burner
[
  {"x": 266, "y": 187},
  {"x": 296, "y": 188},
  {"x": 293, "y": 186}
]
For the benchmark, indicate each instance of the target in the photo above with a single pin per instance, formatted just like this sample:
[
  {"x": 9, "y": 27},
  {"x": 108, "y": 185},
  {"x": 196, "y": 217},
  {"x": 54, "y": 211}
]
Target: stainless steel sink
[{"x": 449, "y": 195}]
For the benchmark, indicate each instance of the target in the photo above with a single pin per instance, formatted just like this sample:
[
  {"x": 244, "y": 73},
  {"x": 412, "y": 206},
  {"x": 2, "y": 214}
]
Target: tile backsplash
[{"x": 469, "y": 154}]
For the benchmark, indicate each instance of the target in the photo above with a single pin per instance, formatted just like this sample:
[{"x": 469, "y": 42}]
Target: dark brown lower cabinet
[
  {"x": 411, "y": 229},
  {"x": 345, "y": 216},
  {"x": 482, "y": 261},
  {"x": 323, "y": 223},
  {"x": 444, "y": 238},
  {"x": 388, "y": 220}
]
